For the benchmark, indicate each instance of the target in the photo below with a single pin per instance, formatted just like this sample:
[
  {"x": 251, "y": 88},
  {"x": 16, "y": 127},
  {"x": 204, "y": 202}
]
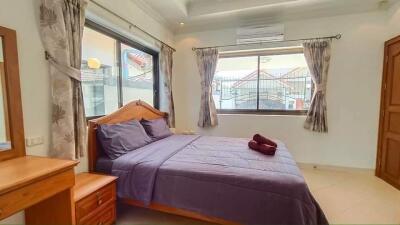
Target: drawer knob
[
  {"x": 99, "y": 202},
  {"x": 100, "y": 223}
]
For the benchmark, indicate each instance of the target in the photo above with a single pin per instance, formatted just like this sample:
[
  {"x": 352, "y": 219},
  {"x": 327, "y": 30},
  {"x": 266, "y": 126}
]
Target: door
[{"x": 388, "y": 159}]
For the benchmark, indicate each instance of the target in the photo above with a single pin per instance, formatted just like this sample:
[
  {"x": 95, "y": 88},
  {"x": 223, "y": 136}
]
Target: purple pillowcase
[
  {"x": 119, "y": 139},
  {"x": 157, "y": 129}
]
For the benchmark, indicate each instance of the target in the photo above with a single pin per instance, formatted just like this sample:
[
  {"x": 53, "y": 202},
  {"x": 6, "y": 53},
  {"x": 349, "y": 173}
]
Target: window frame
[
  {"x": 259, "y": 54},
  {"x": 121, "y": 39}
]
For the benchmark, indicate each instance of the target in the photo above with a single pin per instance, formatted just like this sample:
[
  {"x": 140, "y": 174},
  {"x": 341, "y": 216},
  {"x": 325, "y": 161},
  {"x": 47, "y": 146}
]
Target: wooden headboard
[{"x": 135, "y": 110}]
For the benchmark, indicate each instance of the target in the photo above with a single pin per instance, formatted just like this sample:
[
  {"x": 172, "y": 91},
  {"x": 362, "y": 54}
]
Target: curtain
[
  {"x": 166, "y": 97},
  {"x": 61, "y": 24},
  {"x": 318, "y": 55},
  {"x": 207, "y": 60}
]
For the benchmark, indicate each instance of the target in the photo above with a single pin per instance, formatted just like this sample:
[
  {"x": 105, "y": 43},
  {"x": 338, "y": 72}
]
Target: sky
[{"x": 241, "y": 67}]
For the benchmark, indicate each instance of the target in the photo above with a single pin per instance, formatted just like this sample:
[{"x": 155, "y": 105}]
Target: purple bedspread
[{"x": 218, "y": 177}]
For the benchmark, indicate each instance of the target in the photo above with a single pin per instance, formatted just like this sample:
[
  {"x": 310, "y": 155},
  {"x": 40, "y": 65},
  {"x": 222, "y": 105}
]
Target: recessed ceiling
[{"x": 200, "y": 15}]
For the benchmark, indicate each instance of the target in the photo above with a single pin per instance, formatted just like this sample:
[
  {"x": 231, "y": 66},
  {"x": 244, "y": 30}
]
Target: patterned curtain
[
  {"x": 166, "y": 97},
  {"x": 61, "y": 23},
  {"x": 207, "y": 60},
  {"x": 318, "y": 55}
]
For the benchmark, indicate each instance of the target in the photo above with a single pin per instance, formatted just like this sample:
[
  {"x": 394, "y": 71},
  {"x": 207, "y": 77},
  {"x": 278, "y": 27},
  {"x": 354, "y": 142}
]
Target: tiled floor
[
  {"x": 346, "y": 196},
  {"x": 354, "y": 197}
]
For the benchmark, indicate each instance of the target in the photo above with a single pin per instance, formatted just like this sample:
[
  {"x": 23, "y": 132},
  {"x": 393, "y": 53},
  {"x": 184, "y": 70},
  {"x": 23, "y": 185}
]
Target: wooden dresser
[
  {"x": 39, "y": 185},
  {"x": 95, "y": 199},
  {"x": 42, "y": 186}
]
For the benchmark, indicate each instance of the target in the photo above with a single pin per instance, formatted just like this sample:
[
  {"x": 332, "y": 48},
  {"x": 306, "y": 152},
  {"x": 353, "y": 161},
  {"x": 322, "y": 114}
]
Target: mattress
[{"x": 219, "y": 177}]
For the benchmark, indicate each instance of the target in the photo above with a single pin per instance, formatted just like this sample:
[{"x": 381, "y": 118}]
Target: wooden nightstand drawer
[
  {"x": 103, "y": 196},
  {"x": 104, "y": 216},
  {"x": 95, "y": 199}
]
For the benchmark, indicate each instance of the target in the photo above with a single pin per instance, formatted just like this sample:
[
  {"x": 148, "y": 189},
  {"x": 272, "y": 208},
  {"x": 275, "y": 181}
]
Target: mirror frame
[{"x": 14, "y": 104}]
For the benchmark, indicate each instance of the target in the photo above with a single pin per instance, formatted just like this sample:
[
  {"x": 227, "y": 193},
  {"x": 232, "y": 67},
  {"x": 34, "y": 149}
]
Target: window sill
[{"x": 263, "y": 112}]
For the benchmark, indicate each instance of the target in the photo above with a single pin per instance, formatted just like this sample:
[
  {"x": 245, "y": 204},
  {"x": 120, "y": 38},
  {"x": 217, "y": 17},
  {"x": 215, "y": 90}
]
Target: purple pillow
[
  {"x": 119, "y": 139},
  {"x": 157, "y": 129}
]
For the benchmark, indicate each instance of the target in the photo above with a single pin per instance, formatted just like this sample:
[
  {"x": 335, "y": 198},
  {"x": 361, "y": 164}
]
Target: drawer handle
[{"x": 99, "y": 200}]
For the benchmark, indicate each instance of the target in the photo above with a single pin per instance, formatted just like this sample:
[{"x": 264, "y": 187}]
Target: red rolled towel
[
  {"x": 263, "y": 140},
  {"x": 263, "y": 148}
]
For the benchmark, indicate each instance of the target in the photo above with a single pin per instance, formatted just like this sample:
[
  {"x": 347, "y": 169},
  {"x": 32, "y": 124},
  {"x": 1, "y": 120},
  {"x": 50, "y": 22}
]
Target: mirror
[
  {"x": 5, "y": 142},
  {"x": 12, "y": 139}
]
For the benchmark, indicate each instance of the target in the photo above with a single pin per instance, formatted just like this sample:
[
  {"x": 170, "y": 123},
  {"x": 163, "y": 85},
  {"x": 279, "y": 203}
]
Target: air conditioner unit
[{"x": 260, "y": 33}]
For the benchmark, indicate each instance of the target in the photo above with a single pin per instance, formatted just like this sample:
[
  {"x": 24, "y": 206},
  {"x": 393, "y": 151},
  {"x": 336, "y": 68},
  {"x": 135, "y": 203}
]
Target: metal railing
[{"x": 292, "y": 93}]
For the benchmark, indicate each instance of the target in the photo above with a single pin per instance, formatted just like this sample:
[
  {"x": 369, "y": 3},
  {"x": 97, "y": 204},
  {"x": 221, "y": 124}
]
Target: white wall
[
  {"x": 353, "y": 91},
  {"x": 131, "y": 12},
  {"x": 394, "y": 18},
  {"x": 22, "y": 16}
]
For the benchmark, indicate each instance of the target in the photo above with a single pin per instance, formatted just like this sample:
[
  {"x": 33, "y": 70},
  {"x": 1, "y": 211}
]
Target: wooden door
[{"x": 388, "y": 159}]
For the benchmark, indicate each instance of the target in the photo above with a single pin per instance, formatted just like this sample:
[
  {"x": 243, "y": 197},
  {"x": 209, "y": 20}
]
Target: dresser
[
  {"x": 95, "y": 199},
  {"x": 41, "y": 186}
]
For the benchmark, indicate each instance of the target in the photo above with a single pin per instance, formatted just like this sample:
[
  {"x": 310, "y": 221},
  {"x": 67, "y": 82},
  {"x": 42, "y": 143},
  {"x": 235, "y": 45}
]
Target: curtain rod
[
  {"x": 131, "y": 24},
  {"x": 337, "y": 37}
]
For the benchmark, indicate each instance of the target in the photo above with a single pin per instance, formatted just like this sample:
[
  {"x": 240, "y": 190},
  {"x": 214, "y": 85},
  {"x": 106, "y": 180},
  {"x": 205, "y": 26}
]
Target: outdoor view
[
  {"x": 278, "y": 82},
  {"x": 100, "y": 74},
  {"x": 271, "y": 82},
  {"x": 137, "y": 75}
]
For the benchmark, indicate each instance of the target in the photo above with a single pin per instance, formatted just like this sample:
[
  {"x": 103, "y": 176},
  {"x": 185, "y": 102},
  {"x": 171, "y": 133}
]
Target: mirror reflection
[{"x": 5, "y": 143}]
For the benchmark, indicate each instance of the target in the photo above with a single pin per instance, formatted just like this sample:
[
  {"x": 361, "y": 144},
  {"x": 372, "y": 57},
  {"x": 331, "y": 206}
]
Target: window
[
  {"x": 275, "y": 81},
  {"x": 115, "y": 71},
  {"x": 137, "y": 75}
]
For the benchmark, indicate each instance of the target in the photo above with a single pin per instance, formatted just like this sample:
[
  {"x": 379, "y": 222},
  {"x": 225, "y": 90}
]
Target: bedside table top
[{"x": 87, "y": 183}]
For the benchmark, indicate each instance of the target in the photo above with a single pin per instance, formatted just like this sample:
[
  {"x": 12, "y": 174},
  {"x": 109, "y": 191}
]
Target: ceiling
[{"x": 213, "y": 14}]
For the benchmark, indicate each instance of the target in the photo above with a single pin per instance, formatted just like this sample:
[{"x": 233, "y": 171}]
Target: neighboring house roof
[
  {"x": 274, "y": 75},
  {"x": 137, "y": 59},
  {"x": 263, "y": 75},
  {"x": 295, "y": 72}
]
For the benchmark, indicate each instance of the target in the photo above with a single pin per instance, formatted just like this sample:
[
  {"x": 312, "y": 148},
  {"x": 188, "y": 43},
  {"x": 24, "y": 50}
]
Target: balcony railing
[{"x": 281, "y": 93}]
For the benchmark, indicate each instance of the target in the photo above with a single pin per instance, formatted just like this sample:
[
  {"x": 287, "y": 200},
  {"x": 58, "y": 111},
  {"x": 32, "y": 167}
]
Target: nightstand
[{"x": 95, "y": 199}]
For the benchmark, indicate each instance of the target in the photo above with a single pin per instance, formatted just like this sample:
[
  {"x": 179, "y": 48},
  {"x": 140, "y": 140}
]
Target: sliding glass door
[
  {"x": 116, "y": 71},
  {"x": 99, "y": 73}
]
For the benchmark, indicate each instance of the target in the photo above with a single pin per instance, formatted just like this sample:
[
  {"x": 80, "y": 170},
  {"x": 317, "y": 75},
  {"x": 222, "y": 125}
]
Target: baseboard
[{"x": 334, "y": 168}]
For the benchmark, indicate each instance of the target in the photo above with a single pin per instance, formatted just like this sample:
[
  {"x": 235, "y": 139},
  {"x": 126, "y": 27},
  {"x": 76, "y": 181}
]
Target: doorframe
[{"x": 383, "y": 105}]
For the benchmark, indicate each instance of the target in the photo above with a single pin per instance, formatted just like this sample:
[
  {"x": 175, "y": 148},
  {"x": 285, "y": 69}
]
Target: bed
[{"x": 215, "y": 179}]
